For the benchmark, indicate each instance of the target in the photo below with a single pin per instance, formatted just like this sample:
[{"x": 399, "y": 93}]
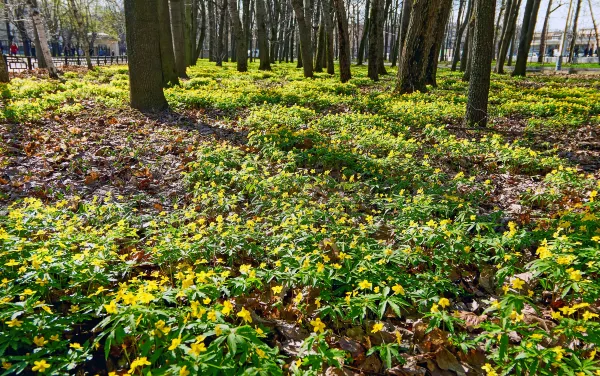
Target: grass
[{"x": 350, "y": 215}]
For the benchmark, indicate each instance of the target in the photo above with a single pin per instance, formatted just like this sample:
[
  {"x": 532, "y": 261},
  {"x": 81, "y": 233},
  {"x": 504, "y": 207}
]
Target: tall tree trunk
[
  {"x": 497, "y": 28},
  {"x": 415, "y": 52},
  {"x": 304, "y": 31},
  {"x": 441, "y": 19},
  {"x": 544, "y": 34},
  {"x": 529, "y": 19},
  {"x": 365, "y": 34},
  {"x": 321, "y": 50},
  {"x": 221, "y": 51},
  {"x": 145, "y": 71},
  {"x": 483, "y": 53},
  {"x": 186, "y": 16},
  {"x": 505, "y": 22},
  {"x": 574, "y": 31},
  {"x": 469, "y": 46},
  {"x": 4, "y": 77},
  {"x": 274, "y": 15},
  {"x": 178, "y": 32},
  {"x": 375, "y": 16},
  {"x": 595, "y": 30},
  {"x": 327, "y": 14},
  {"x": 241, "y": 48},
  {"x": 382, "y": 16},
  {"x": 81, "y": 31},
  {"x": 194, "y": 32},
  {"x": 511, "y": 51},
  {"x": 167, "y": 56},
  {"x": 261, "y": 33},
  {"x": 407, "y": 7},
  {"x": 459, "y": 32},
  {"x": 506, "y": 40},
  {"x": 212, "y": 31},
  {"x": 343, "y": 40},
  {"x": 38, "y": 50},
  {"x": 200, "y": 46},
  {"x": 464, "y": 57},
  {"x": 39, "y": 27}
]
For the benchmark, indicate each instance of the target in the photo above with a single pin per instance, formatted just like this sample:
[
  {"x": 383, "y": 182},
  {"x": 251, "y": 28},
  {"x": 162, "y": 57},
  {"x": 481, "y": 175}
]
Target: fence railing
[{"x": 21, "y": 63}]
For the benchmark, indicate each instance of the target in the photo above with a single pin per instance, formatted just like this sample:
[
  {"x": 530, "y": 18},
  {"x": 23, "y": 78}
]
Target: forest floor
[{"x": 273, "y": 224}]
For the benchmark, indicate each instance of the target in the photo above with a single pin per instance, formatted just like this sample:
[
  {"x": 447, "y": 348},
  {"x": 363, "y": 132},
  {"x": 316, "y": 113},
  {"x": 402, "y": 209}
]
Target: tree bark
[
  {"x": 595, "y": 30},
  {"x": 177, "y": 29},
  {"x": 145, "y": 70},
  {"x": 483, "y": 52},
  {"x": 327, "y": 14},
  {"x": 343, "y": 40},
  {"x": 529, "y": 19},
  {"x": 506, "y": 40},
  {"x": 441, "y": 19},
  {"x": 304, "y": 31},
  {"x": 574, "y": 31},
  {"x": 200, "y": 46},
  {"x": 321, "y": 50},
  {"x": 81, "y": 31},
  {"x": 39, "y": 27},
  {"x": 374, "y": 35},
  {"x": 464, "y": 57},
  {"x": 167, "y": 56},
  {"x": 261, "y": 32},
  {"x": 241, "y": 48},
  {"x": 497, "y": 28},
  {"x": 469, "y": 46},
  {"x": 459, "y": 33},
  {"x": 212, "y": 31},
  {"x": 365, "y": 34},
  {"x": 221, "y": 52},
  {"x": 415, "y": 52},
  {"x": 380, "y": 41},
  {"x": 4, "y": 77},
  {"x": 405, "y": 21},
  {"x": 544, "y": 34}
]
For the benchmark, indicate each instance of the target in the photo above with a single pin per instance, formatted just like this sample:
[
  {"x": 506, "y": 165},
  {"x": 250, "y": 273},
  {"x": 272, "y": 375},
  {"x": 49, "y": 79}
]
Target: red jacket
[{"x": 14, "y": 49}]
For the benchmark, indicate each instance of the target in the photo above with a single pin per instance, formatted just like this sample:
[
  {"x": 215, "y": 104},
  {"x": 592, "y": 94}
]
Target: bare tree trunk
[
  {"x": 544, "y": 34},
  {"x": 343, "y": 40},
  {"x": 505, "y": 22},
  {"x": 241, "y": 48},
  {"x": 574, "y": 32},
  {"x": 145, "y": 71},
  {"x": 221, "y": 52},
  {"x": 200, "y": 46},
  {"x": 4, "y": 77},
  {"x": 38, "y": 50},
  {"x": 167, "y": 56},
  {"x": 529, "y": 19},
  {"x": 304, "y": 28},
  {"x": 39, "y": 27},
  {"x": 81, "y": 31},
  {"x": 415, "y": 52},
  {"x": 483, "y": 52},
  {"x": 375, "y": 16},
  {"x": 595, "y": 30},
  {"x": 212, "y": 31},
  {"x": 497, "y": 28},
  {"x": 380, "y": 48},
  {"x": 194, "y": 33},
  {"x": 261, "y": 32},
  {"x": 321, "y": 50},
  {"x": 274, "y": 15},
  {"x": 459, "y": 33},
  {"x": 405, "y": 21},
  {"x": 365, "y": 34},
  {"x": 178, "y": 32},
  {"x": 506, "y": 40},
  {"x": 441, "y": 19},
  {"x": 469, "y": 46},
  {"x": 327, "y": 14}
]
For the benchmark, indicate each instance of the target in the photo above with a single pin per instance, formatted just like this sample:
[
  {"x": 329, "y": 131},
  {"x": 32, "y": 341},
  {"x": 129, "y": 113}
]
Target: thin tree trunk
[
  {"x": 261, "y": 32},
  {"x": 167, "y": 56},
  {"x": 39, "y": 27},
  {"x": 327, "y": 14},
  {"x": 505, "y": 22},
  {"x": 404, "y": 22},
  {"x": 81, "y": 31},
  {"x": 459, "y": 32},
  {"x": 469, "y": 46},
  {"x": 574, "y": 32},
  {"x": 4, "y": 77},
  {"x": 200, "y": 47},
  {"x": 483, "y": 52},
  {"x": 241, "y": 48},
  {"x": 177, "y": 29},
  {"x": 595, "y": 30},
  {"x": 497, "y": 28},
  {"x": 375, "y": 17},
  {"x": 221, "y": 52},
  {"x": 441, "y": 19},
  {"x": 321, "y": 50},
  {"x": 544, "y": 34},
  {"x": 365, "y": 34},
  {"x": 212, "y": 31},
  {"x": 511, "y": 51},
  {"x": 304, "y": 31},
  {"x": 343, "y": 40},
  {"x": 380, "y": 45},
  {"x": 38, "y": 50},
  {"x": 507, "y": 39},
  {"x": 145, "y": 71},
  {"x": 529, "y": 19}
]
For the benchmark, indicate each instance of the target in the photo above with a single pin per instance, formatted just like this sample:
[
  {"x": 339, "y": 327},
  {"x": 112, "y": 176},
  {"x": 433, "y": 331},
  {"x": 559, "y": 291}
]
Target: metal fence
[{"x": 21, "y": 63}]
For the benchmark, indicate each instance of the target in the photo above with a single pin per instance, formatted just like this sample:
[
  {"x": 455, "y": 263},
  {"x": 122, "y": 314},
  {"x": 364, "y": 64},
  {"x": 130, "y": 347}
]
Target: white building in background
[{"x": 586, "y": 41}]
